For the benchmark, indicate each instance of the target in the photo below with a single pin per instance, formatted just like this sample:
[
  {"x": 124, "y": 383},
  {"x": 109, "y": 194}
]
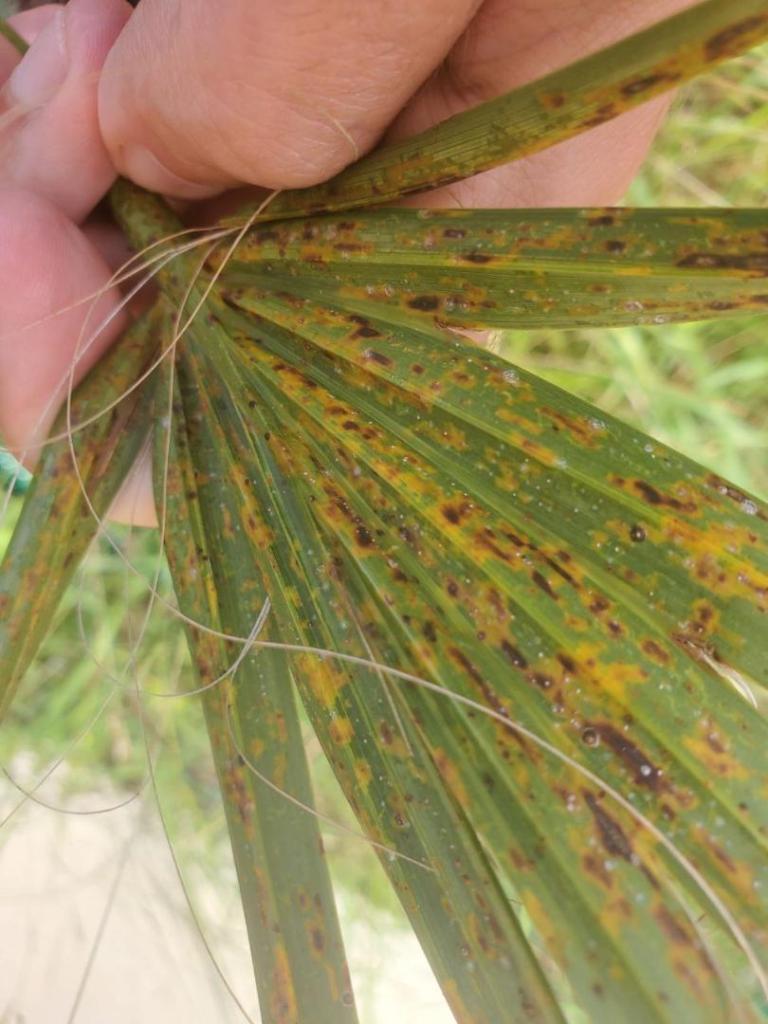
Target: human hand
[{"x": 196, "y": 98}]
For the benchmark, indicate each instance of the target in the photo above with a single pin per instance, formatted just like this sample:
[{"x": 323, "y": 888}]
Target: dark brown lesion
[
  {"x": 612, "y": 836},
  {"x": 730, "y": 41},
  {"x": 425, "y": 303},
  {"x": 514, "y": 654},
  {"x": 652, "y": 496},
  {"x": 376, "y": 357},
  {"x": 455, "y": 512},
  {"x": 602, "y": 220},
  {"x": 753, "y": 262},
  {"x": 644, "y": 772},
  {"x": 477, "y": 257},
  {"x": 543, "y": 584},
  {"x": 661, "y": 79},
  {"x": 605, "y": 112},
  {"x": 655, "y": 651}
]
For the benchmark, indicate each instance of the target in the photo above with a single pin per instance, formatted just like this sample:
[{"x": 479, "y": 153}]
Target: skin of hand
[{"x": 191, "y": 98}]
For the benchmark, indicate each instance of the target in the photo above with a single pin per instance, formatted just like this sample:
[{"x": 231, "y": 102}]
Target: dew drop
[{"x": 591, "y": 737}]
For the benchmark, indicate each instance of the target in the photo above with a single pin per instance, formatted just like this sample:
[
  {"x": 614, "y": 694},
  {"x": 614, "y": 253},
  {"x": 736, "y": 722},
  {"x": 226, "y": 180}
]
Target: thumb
[{"x": 196, "y": 96}]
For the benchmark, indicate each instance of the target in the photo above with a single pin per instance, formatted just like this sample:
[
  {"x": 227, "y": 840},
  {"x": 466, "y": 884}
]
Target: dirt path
[{"x": 149, "y": 966}]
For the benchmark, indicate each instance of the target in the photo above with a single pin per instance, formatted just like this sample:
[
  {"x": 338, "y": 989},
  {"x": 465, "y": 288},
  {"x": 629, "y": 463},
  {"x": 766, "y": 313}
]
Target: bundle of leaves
[{"x": 527, "y": 637}]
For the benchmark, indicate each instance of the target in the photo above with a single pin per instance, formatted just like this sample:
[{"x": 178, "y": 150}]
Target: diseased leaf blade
[
  {"x": 516, "y": 268},
  {"x": 521, "y": 586},
  {"x": 468, "y": 929},
  {"x": 484, "y": 530},
  {"x": 296, "y": 945},
  {"x": 410, "y": 501},
  {"x": 557, "y": 457},
  {"x": 56, "y": 525},
  {"x": 542, "y": 113}
]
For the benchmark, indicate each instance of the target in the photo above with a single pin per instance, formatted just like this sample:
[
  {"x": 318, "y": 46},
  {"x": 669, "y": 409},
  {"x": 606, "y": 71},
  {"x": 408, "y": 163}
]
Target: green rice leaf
[
  {"x": 538, "y": 115},
  {"x": 296, "y": 945},
  {"x": 515, "y": 268},
  {"x": 56, "y": 525},
  {"x": 431, "y": 854},
  {"x": 503, "y": 541}
]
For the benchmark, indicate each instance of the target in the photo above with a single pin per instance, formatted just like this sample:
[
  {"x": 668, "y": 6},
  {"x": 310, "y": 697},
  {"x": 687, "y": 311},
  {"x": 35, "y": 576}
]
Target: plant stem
[{"x": 9, "y": 32}]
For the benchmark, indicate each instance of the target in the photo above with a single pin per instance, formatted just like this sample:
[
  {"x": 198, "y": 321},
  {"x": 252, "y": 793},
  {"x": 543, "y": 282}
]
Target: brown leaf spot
[
  {"x": 654, "y": 497},
  {"x": 543, "y": 584},
  {"x": 604, "y": 113},
  {"x": 594, "y": 866},
  {"x": 600, "y": 220},
  {"x": 653, "y": 650},
  {"x": 644, "y": 772},
  {"x": 553, "y": 100},
  {"x": 455, "y": 512},
  {"x": 473, "y": 672},
  {"x": 671, "y": 928},
  {"x": 752, "y": 262},
  {"x": 544, "y": 682},
  {"x": 648, "y": 83},
  {"x": 731, "y": 40},
  {"x": 477, "y": 257},
  {"x": 612, "y": 836},
  {"x": 567, "y": 662},
  {"x": 514, "y": 654},
  {"x": 425, "y": 303},
  {"x": 727, "y": 490},
  {"x": 376, "y": 357},
  {"x": 364, "y": 538}
]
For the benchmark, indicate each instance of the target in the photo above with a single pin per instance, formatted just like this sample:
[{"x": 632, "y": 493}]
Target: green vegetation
[
  {"x": 428, "y": 776},
  {"x": 701, "y": 388}
]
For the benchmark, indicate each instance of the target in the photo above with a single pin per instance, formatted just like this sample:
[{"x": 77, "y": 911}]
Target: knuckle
[{"x": 270, "y": 142}]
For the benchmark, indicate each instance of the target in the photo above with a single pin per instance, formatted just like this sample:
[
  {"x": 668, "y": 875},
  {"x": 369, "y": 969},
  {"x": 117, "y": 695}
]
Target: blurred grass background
[{"x": 700, "y": 388}]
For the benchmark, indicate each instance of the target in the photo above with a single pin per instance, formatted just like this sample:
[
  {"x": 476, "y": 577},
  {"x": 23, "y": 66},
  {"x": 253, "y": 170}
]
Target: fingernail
[
  {"x": 44, "y": 67},
  {"x": 143, "y": 167}
]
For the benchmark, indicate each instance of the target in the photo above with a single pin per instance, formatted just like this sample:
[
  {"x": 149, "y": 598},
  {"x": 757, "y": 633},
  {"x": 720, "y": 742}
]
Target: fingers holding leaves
[
  {"x": 53, "y": 169},
  {"x": 49, "y": 134},
  {"x": 197, "y": 97},
  {"x": 48, "y": 271},
  {"x": 509, "y": 44}
]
